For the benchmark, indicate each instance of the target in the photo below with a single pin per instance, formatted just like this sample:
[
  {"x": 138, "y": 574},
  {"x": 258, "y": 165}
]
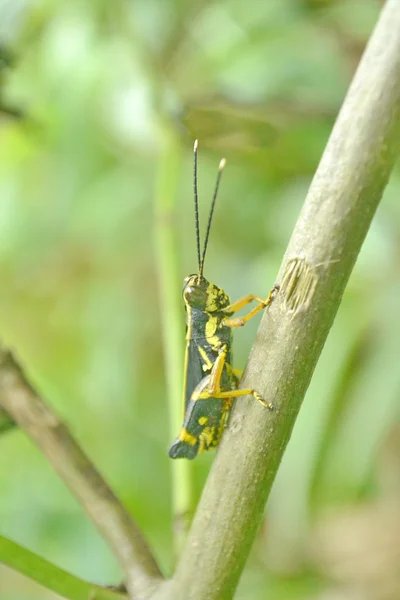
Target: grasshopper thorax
[{"x": 200, "y": 294}]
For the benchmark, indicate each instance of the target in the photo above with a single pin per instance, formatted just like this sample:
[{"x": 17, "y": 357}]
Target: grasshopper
[{"x": 210, "y": 382}]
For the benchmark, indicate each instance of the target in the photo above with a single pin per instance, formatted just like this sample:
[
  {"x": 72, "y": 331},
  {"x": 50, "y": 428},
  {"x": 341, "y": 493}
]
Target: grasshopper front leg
[{"x": 240, "y": 321}]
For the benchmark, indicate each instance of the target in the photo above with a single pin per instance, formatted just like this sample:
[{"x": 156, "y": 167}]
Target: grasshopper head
[
  {"x": 195, "y": 291},
  {"x": 200, "y": 293}
]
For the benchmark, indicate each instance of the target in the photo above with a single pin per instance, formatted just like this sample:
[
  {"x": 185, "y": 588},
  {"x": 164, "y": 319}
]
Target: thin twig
[
  {"x": 327, "y": 238},
  {"x": 171, "y": 311},
  {"x": 51, "y": 435},
  {"x": 53, "y": 578}
]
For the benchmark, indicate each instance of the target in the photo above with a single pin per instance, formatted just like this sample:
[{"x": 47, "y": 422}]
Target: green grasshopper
[{"x": 210, "y": 382}]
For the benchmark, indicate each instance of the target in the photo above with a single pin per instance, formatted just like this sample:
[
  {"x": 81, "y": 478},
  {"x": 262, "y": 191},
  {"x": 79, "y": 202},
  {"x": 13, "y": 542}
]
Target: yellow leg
[
  {"x": 242, "y": 302},
  {"x": 236, "y": 394},
  {"x": 216, "y": 373},
  {"x": 213, "y": 388},
  {"x": 240, "y": 321},
  {"x": 211, "y": 384}
]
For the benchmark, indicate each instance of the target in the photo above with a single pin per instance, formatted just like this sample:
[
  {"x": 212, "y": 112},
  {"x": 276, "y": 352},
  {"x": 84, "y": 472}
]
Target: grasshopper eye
[
  {"x": 195, "y": 296},
  {"x": 186, "y": 283}
]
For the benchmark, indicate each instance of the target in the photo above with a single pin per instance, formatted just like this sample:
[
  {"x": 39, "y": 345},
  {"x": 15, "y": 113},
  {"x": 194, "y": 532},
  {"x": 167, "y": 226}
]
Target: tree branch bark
[
  {"x": 27, "y": 409},
  {"x": 332, "y": 226}
]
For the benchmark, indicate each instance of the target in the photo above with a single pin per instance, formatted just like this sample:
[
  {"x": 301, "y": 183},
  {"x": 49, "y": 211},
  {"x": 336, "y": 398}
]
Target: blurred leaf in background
[{"x": 259, "y": 83}]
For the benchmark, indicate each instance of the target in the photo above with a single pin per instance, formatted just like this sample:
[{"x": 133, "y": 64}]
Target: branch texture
[
  {"x": 328, "y": 236},
  {"x": 50, "y": 434}
]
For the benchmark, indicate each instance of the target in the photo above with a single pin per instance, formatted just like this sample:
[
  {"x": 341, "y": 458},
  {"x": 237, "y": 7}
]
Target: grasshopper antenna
[
  {"x": 220, "y": 169},
  {"x": 196, "y": 201}
]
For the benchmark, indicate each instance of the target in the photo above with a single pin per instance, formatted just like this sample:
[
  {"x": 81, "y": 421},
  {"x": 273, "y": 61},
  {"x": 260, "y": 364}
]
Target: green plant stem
[
  {"x": 172, "y": 316},
  {"x": 53, "y": 578},
  {"x": 51, "y": 435},
  {"x": 5, "y": 422},
  {"x": 327, "y": 238}
]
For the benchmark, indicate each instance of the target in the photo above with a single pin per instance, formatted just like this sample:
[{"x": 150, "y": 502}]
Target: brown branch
[{"x": 27, "y": 409}]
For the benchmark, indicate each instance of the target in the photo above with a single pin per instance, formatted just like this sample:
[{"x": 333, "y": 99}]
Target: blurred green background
[{"x": 100, "y": 104}]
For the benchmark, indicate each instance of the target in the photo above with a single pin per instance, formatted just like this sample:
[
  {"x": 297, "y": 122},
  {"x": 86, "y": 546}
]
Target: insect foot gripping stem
[{"x": 261, "y": 400}]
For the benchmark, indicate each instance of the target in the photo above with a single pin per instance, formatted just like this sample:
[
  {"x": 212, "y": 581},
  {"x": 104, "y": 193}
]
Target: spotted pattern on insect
[
  {"x": 211, "y": 328},
  {"x": 186, "y": 437},
  {"x": 210, "y": 382},
  {"x": 208, "y": 365},
  {"x": 216, "y": 298}
]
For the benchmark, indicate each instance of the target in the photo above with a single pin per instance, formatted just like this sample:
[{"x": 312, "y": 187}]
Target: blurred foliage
[
  {"x": 97, "y": 84},
  {"x": 5, "y": 422}
]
